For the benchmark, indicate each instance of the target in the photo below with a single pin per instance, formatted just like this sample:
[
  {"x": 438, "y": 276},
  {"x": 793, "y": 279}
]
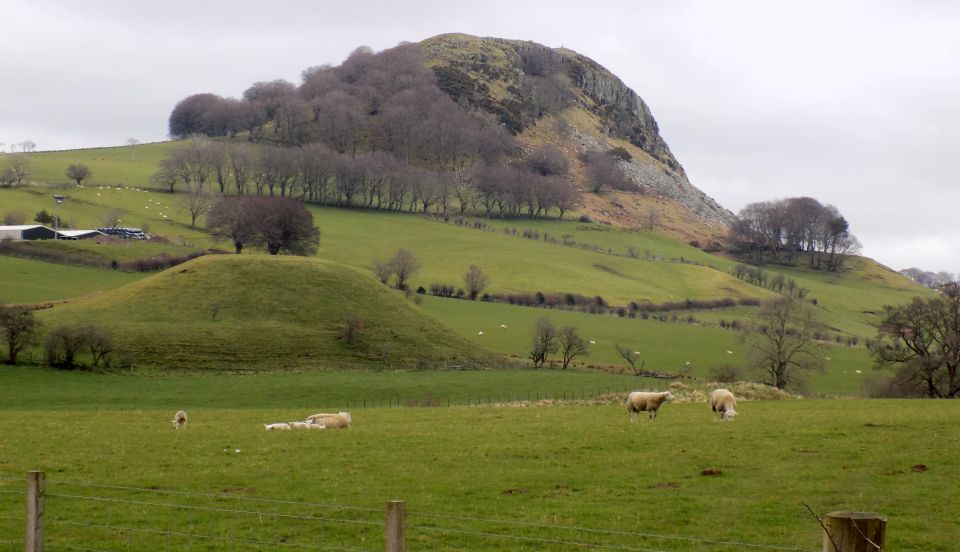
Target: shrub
[
  {"x": 585, "y": 218},
  {"x": 351, "y": 330},
  {"x": 726, "y": 373}
]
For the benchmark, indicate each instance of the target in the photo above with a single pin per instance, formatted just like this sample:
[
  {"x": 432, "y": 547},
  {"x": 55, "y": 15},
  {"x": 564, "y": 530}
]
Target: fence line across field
[
  {"x": 531, "y": 539},
  {"x": 221, "y": 496},
  {"x": 211, "y": 509},
  {"x": 394, "y": 527},
  {"x": 577, "y": 528},
  {"x": 181, "y": 534}
]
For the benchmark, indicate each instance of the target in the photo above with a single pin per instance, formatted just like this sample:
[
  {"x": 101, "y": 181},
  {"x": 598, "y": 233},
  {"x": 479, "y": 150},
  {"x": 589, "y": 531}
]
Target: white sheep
[
  {"x": 316, "y": 426},
  {"x": 179, "y": 420},
  {"x": 646, "y": 401},
  {"x": 340, "y": 420},
  {"x": 277, "y": 427},
  {"x": 300, "y": 425},
  {"x": 723, "y": 404}
]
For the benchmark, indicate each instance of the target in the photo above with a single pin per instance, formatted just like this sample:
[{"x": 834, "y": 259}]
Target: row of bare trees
[
  {"x": 794, "y": 229},
  {"x": 317, "y": 174}
]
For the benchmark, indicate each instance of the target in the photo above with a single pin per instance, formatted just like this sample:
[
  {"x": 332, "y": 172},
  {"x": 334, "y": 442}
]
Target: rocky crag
[{"x": 579, "y": 106}]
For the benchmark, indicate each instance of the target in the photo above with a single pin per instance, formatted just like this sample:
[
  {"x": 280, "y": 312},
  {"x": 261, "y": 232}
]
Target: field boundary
[{"x": 145, "y": 518}]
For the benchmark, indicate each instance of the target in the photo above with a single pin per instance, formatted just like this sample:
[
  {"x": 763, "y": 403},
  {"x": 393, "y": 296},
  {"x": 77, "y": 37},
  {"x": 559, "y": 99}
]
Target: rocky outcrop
[
  {"x": 666, "y": 184},
  {"x": 491, "y": 74}
]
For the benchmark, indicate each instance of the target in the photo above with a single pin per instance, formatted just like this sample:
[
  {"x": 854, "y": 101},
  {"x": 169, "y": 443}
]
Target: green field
[
  {"x": 474, "y": 478},
  {"x": 27, "y": 281}
]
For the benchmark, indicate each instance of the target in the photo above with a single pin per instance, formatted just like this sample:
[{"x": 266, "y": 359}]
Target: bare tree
[
  {"x": 603, "y": 172},
  {"x": 19, "y": 167},
  {"x": 286, "y": 225},
  {"x": 111, "y": 217},
  {"x": 133, "y": 142},
  {"x": 14, "y": 217},
  {"x": 474, "y": 280},
  {"x": 548, "y": 160},
  {"x": 27, "y": 146},
  {"x": 544, "y": 341},
  {"x": 924, "y": 337},
  {"x": 166, "y": 176},
  {"x": 382, "y": 270},
  {"x": 782, "y": 341},
  {"x": 78, "y": 172},
  {"x": 18, "y": 327},
  {"x": 572, "y": 345},
  {"x": 631, "y": 356},
  {"x": 195, "y": 202},
  {"x": 235, "y": 219},
  {"x": 404, "y": 264}
]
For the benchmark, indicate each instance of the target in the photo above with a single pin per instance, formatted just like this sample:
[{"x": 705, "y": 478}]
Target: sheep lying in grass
[
  {"x": 277, "y": 427},
  {"x": 723, "y": 404},
  {"x": 646, "y": 401},
  {"x": 179, "y": 420},
  {"x": 340, "y": 420},
  {"x": 316, "y": 426},
  {"x": 300, "y": 425}
]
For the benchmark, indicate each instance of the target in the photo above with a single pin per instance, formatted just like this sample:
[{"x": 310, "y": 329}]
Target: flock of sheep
[
  {"x": 722, "y": 403},
  {"x": 340, "y": 420}
]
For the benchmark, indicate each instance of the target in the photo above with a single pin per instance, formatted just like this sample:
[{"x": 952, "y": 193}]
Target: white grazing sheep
[
  {"x": 723, "y": 404},
  {"x": 300, "y": 425},
  {"x": 340, "y": 420},
  {"x": 277, "y": 427},
  {"x": 646, "y": 401},
  {"x": 179, "y": 420}
]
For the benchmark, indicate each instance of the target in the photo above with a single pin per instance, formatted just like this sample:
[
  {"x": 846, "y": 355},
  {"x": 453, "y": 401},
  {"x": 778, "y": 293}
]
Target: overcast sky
[{"x": 855, "y": 103}]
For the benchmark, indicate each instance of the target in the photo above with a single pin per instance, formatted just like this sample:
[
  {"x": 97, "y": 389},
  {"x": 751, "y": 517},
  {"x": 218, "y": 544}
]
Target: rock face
[{"x": 497, "y": 75}]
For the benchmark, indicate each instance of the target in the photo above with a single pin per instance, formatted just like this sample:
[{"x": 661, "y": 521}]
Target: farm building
[
  {"x": 26, "y": 232},
  {"x": 79, "y": 234},
  {"x": 40, "y": 232}
]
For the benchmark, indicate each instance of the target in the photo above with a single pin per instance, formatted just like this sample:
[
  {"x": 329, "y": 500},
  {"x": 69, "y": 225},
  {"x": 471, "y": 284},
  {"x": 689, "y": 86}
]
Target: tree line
[
  {"x": 384, "y": 131},
  {"x": 791, "y": 231}
]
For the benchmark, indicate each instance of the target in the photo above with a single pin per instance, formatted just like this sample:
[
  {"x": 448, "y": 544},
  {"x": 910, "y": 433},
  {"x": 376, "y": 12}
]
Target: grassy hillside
[
  {"x": 116, "y": 165},
  {"x": 27, "y": 281},
  {"x": 248, "y": 312}
]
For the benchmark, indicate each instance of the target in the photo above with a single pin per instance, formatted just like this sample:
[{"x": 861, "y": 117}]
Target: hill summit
[{"x": 579, "y": 104}]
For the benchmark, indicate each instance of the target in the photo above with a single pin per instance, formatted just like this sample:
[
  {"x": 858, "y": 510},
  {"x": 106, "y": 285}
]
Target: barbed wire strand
[
  {"x": 12, "y": 492},
  {"x": 211, "y": 509},
  {"x": 178, "y": 534},
  {"x": 71, "y": 547},
  {"x": 530, "y": 539},
  {"x": 605, "y": 531},
  {"x": 213, "y": 495}
]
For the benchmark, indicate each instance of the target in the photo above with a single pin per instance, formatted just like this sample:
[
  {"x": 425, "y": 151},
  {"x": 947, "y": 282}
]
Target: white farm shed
[
  {"x": 26, "y": 232},
  {"x": 80, "y": 234}
]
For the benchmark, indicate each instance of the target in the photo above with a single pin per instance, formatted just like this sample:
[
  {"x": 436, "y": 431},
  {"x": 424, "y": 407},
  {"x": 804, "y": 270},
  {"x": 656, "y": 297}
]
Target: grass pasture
[
  {"x": 483, "y": 478},
  {"x": 29, "y": 281}
]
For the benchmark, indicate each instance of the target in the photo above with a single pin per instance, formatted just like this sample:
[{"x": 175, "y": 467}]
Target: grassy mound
[{"x": 259, "y": 312}]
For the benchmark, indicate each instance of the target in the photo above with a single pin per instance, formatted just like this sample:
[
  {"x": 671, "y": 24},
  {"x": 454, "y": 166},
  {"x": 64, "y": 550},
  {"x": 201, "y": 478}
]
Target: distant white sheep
[
  {"x": 723, "y": 404},
  {"x": 316, "y": 426},
  {"x": 646, "y": 401},
  {"x": 300, "y": 425},
  {"x": 340, "y": 420},
  {"x": 179, "y": 420},
  {"x": 277, "y": 427}
]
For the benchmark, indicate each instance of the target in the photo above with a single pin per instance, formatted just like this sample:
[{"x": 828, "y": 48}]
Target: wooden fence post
[
  {"x": 854, "y": 532},
  {"x": 395, "y": 531},
  {"x": 36, "y": 486}
]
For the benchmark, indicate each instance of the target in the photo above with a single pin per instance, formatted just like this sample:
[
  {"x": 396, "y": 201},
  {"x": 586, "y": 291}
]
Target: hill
[
  {"x": 259, "y": 312},
  {"x": 599, "y": 113}
]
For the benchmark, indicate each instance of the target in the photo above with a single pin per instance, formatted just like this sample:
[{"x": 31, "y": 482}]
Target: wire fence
[
  {"x": 100, "y": 517},
  {"x": 593, "y": 394}
]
